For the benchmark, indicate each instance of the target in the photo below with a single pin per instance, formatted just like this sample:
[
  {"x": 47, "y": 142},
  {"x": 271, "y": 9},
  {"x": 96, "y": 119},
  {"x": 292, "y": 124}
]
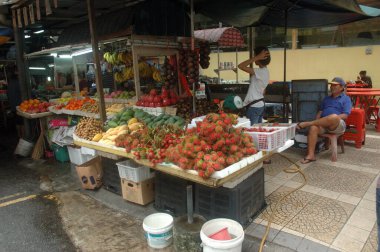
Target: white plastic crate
[
  {"x": 132, "y": 171},
  {"x": 268, "y": 141},
  {"x": 289, "y": 127},
  {"x": 77, "y": 157}
]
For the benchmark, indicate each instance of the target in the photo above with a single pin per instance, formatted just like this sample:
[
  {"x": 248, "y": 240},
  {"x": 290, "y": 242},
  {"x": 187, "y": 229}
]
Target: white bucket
[
  {"x": 24, "y": 148},
  {"x": 215, "y": 225},
  {"x": 159, "y": 230}
]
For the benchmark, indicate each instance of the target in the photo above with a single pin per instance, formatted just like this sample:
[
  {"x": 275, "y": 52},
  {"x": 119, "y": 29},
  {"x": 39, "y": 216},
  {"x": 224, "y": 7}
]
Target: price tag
[{"x": 171, "y": 111}]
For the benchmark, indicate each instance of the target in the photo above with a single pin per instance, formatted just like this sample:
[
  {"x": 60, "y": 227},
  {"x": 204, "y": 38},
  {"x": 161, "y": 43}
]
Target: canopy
[
  {"x": 299, "y": 14},
  {"x": 224, "y": 37}
]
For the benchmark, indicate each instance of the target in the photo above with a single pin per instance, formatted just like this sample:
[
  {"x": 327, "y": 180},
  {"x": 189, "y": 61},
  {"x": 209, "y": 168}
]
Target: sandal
[
  {"x": 307, "y": 160},
  {"x": 299, "y": 126}
]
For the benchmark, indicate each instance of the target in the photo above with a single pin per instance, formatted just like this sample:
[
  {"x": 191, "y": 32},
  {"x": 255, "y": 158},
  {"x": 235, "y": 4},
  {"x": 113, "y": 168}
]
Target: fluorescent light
[
  {"x": 65, "y": 56},
  {"x": 77, "y": 53},
  {"x": 40, "y": 31},
  {"x": 37, "y": 68},
  {"x": 54, "y": 54},
  {"x": 51, "y": 65},
  {"x": 27, "y": 36},
  {"x": 48, "y": 78}
]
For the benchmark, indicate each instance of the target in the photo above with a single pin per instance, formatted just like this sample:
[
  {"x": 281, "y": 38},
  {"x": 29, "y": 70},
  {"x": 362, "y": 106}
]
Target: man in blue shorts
[{"x": 330, "y": 118}]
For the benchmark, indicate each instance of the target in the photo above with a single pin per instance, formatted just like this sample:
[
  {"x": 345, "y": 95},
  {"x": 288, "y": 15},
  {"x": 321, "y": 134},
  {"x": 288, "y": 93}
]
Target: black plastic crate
[
  {"x": 170, "y": 194},
  {"x": 307, "y": 96},
  {"x": 240, "y": 203},
  {"x": 111, "y": 178}
]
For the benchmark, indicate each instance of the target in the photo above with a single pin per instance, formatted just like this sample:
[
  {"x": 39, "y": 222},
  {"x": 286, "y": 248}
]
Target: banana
[{"x": 106, "y": 56}]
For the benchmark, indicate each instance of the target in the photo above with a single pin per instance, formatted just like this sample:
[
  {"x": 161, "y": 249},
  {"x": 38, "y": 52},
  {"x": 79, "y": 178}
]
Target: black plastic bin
[
  {"x": 170, "y": 194},
  {"x": 240, "y": 203},
  {"x": 111, "y": 178}
]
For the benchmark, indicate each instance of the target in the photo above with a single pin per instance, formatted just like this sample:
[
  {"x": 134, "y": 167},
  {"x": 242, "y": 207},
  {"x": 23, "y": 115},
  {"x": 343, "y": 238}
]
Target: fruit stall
[{"x": 152, "y": 121}]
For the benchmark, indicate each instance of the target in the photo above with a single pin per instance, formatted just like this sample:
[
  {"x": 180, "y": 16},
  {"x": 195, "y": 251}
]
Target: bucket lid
[
  {"x": 233, "y": 102},
  {"x": 222, "y": 234}
]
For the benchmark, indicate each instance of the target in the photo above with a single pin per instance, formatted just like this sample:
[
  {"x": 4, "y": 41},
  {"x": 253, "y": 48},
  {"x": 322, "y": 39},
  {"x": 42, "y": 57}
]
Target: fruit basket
[{"x": 267, "y": 138}]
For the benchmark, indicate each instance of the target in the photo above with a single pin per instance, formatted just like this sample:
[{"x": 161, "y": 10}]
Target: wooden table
[
  {"x": 365, "y": 99},
  {"x": 178, "y": 172}
]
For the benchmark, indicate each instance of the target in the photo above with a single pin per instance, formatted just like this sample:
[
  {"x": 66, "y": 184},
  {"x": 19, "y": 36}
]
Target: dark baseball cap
[{"x": 339, "y": 81}]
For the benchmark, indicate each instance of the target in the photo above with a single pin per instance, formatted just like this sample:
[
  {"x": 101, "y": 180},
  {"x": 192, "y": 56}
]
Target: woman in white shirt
[{"x": 259, "y": 79}]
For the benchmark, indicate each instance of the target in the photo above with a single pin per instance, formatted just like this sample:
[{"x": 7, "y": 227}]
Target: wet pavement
[{"x": 30, "y": 219}]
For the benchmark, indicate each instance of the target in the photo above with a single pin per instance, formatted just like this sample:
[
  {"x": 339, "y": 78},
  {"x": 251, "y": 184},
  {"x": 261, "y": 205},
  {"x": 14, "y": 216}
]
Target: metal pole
[
  {"x": 235, "y": 68},
  {"x": 218, "y": 66},
  {"x": 284, "y": 105},
  {"x": 76, "y": 79},
  {"x": 189, "y": 194},
  {"x": 95, "y": 51},
  {"x": 192, "y": 47},
  {"x": 23, "y": 80}
]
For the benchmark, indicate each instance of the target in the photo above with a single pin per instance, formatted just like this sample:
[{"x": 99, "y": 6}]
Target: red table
[
  {"x": 366, "y": 99},
  {"x": 362, "y": 89},
  {"x": 356, "y": 85}
]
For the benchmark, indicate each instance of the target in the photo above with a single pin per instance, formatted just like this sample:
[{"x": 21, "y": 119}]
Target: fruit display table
[
  {"x": 34, "y": 115},
  {"x": 227, "y": 175}
]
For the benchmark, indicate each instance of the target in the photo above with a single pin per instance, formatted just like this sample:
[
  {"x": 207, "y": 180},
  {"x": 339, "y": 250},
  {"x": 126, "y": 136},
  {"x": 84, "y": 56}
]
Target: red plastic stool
[
  {"x": 377, "y": 124},
  {"x": 356, "y": 127}
]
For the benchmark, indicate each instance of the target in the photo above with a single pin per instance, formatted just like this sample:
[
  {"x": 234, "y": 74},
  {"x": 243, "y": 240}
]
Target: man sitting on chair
[{"x": 331, "y": 117}]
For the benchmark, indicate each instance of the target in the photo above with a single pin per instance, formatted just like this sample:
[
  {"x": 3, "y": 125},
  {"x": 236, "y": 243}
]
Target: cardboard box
[
  {"x": 90, "y": 173},
  {"x": 138, "y": 192}
]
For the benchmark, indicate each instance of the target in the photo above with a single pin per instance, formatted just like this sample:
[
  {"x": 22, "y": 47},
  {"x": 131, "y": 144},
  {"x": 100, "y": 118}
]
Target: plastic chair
[
  {"x": 373, "y": 111},
  {"x": 334, "y": 141},
  {"x": 355, "y": 127}
]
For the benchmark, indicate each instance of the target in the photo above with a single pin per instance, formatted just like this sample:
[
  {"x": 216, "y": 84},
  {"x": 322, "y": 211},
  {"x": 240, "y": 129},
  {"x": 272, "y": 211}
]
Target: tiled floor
[{"x": 334, "y": 211}]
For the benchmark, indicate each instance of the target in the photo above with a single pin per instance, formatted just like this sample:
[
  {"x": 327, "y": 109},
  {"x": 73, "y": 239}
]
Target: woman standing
[{"x": 259, "y": 79}]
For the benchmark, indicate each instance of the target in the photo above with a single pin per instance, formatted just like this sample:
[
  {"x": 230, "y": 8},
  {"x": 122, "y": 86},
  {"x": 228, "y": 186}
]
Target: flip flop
[
  {"x": 299, "y": 126},
  {"x": 307, "y": 160}
]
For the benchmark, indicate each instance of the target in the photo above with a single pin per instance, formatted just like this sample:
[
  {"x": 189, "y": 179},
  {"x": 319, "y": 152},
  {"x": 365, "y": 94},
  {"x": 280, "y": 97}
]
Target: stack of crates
[
  {"x": 307, "y": 95},
  {"x": 240, "y": 203},
  {"x": 137, "y": 182}
]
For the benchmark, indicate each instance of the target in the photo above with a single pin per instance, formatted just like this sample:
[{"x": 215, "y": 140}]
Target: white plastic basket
[
  {"x": 76, "y": 156},
  {"x": 289, "y": 127},
  {"x": 132, "y": 171},
  {"x": 268, "y": 141}
]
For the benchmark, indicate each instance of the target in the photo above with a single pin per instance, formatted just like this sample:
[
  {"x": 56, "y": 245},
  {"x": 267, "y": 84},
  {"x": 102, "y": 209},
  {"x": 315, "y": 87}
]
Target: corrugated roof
[{"x": 224, "y": 37}]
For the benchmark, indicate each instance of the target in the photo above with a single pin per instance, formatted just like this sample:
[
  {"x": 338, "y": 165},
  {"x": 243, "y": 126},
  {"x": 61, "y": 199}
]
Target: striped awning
[{"x": 224, "y": 37}]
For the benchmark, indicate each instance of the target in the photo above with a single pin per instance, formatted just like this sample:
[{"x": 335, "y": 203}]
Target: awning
[
  {"x": 223, "y": 37},
  {"x": 299, "y": 14}
]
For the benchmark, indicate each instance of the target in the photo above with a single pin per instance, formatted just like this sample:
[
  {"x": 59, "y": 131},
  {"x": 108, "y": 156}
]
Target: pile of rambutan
[{"x": 212, "y": 145}]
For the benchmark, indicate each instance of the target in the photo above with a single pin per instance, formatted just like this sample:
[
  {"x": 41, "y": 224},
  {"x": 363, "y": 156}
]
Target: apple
[
  {"x": 157, "y": 99},
  {"x": 166, "y": 102},
  {"x": 164, "y": 92},
  {"x": 153, "y": 92}
]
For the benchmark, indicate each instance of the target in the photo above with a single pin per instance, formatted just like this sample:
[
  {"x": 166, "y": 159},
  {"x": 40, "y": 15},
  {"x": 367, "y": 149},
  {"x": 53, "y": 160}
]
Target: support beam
[
  {"x": 22, "y": 74},
  {"x": 95, "y": 52},
  {"x": 294, "y": 38}
]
